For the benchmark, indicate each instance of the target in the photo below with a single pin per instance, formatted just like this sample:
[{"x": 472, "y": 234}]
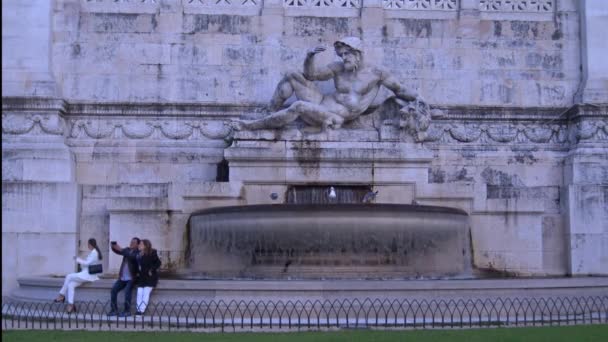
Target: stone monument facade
[{"x": 116, "y": 117}]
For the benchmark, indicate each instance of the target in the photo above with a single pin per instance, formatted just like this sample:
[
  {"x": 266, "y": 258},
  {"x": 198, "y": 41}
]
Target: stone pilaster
[
  {"x": 585, "y": 193},
  {"x": 594, "y": 19},
  {"x": 41, "y": 200},
  {"x": 27, "y": 28}
]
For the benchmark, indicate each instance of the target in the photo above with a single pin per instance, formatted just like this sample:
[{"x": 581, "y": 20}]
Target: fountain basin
[{"x": 329, "y": 241}]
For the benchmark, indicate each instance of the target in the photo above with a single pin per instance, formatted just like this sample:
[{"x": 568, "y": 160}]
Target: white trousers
[
  {"x": 72, "y": 281},
  {"x": 143, "y": 297}
]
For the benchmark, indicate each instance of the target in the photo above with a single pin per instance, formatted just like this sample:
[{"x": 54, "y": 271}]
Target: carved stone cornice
[
  {"x": 588, "y": 124},
  {"x": 496, "y": 113},
  {"x": 191, "y": 123},
  {"x": 198, "y": 110},
  {"x": 517, "y": 125},
  {"x": 33, "y": 116},
  {"x": 19, "y": 104}
]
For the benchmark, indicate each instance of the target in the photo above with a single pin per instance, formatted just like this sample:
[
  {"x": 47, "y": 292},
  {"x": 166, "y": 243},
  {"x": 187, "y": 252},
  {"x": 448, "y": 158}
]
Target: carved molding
[
  {"x": 320, "y": 4},
  {"x": 207, "y": 111},
  {"x": 590, "y": 131},
  {"x": 235, "y": 3},
  {"x": 16, "y": 104},
  {"x": 121, "y": 2},
  {"x": 425, "y": 5},
  {"x": 191, "y": 122},
  {"x": 139, "y": 128},
  {"x": 539, "y": 6},
  {"x": 501, "y": 133},
  {"x": 36, "y": 124}
]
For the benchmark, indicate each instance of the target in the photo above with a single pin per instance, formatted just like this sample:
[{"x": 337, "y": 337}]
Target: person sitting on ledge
[
  {"x": 356, "y": 82},
  {"x": 74, "y": 280},
  {"x": 149, "y": 263}
]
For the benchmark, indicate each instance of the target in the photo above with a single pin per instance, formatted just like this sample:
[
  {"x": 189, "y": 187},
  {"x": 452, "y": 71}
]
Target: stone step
[{"x": 45, "y": 289}]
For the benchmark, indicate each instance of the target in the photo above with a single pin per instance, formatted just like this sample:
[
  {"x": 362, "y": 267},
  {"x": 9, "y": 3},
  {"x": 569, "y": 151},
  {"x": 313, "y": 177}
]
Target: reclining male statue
[{"x": 357, "y": 85}]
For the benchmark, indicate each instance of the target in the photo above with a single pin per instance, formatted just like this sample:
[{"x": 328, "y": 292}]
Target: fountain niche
[{"x": 338, "y": 237}]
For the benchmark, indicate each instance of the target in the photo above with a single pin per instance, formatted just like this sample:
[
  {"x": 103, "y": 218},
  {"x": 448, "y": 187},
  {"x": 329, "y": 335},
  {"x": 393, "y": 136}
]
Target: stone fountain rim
[{"x": 330, "y": 207}]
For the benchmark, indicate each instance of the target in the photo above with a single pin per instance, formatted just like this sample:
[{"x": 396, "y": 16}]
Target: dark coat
[
  {"x": 148, "y": 269},
  {"x": 129, "y": 259}
]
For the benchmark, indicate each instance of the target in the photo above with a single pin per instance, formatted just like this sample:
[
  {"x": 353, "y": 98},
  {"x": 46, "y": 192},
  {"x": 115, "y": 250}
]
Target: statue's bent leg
[
  {"x": 311, "y": 113},
  {"x": 318, "y": 115},
  {"x": 275, "y": 120},
  {"x": 295, "y": 82}
]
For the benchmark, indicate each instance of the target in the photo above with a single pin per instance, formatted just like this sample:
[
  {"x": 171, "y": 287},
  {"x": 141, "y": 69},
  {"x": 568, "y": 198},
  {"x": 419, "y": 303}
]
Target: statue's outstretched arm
[
  {"x": 400, "y": 91},
  {"x": 313, "y": 73}
]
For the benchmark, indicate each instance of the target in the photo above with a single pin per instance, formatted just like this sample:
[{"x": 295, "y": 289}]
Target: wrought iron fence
[{"x": 241, "y": 315}]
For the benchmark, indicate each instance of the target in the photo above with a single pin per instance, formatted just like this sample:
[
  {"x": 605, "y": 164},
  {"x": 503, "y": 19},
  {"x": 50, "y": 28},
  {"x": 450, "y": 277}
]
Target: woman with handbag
[
  {"x": 149, "y": 263},
  {"x": 91, "y": 266}
]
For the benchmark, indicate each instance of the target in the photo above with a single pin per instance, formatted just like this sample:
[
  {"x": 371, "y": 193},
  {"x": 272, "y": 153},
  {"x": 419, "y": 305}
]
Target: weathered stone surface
[
  {"x": 102, "y": 50},
  {"x": 39, "y": 220}
]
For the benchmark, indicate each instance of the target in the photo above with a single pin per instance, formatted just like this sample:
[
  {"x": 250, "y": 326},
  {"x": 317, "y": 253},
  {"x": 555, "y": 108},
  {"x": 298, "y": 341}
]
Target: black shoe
[
  {"x": 139, "y": 313},
  {"x": 124, "y": 314},
  {"x": 112, "y": 313}
]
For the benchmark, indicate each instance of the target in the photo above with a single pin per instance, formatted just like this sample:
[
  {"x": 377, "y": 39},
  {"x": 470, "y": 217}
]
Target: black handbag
[{"x": 95, "y": 269}]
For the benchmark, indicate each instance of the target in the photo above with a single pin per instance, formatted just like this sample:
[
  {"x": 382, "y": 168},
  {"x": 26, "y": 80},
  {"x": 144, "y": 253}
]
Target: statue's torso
[{"x": 356, "y": 91}]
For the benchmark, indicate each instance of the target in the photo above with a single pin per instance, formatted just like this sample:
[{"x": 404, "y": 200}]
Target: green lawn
[{"x": 549, "y": 334}]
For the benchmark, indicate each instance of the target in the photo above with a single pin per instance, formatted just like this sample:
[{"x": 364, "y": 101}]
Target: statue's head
[{"x": 350, "y": 50}]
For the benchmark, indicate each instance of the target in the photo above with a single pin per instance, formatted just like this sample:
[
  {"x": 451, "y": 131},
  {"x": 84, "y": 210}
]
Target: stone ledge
[
  {"x": 132, "y": 205},
  {"x": 41, "y": 288},
  {"x": 337, "y": 285},
  {"x": 228, "y": 110},
  {"x": 327, "y": 151}
]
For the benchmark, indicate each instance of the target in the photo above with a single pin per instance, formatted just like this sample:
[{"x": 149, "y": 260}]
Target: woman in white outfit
[{"x": 74, "y": 280}]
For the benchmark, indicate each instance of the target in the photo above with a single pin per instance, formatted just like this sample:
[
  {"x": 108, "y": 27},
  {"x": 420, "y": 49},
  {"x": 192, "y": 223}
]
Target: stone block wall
[
  {"x": 146, "y": 88},
  {"x": 513, "y": 197},
  {"x": 453, "y": 52}
]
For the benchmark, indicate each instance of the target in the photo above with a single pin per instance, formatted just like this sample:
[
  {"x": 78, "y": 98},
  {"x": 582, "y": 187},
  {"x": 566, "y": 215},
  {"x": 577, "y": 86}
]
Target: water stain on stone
[
  {"x": 75, "y": 50},
  {"x": 459, "y": 176},
  {"x": 496, "y": 177},
  {"x": 154, "y": 22},
  {"x": 436, "y": 175},
  {"x": 419, "y": 28},
  {"x": 497, "y": 28},
  {"x": 557, "y": 35},
  {"x": 230, "y": 24},
  {"x": 312, "y": 26},
  {"x": 552, "y": 62},
  {"x": 524, "y": 29}
]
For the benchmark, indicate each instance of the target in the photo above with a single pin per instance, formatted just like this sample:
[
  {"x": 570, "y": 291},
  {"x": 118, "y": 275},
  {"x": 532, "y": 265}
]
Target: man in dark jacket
[{"x": 126, "y": 276}]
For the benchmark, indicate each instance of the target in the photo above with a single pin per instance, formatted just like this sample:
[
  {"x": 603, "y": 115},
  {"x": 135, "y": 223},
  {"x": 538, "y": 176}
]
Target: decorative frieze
[
  {"x": 590, "y": 131},
  {"x": 32, "y": 124},
  {"x": 428, "y": 5},
  {"x": 191, "y": 123},
  {"x": 124, "y": 1},
  {"x": 540, "y": 6},
  {"x": 500, "y": 133},
  {"x": 238, "y": 3},
  {"x": 139, "y": 128},
  {"x": 322, "y": 3},
  {"x": 233, "y": 7}
]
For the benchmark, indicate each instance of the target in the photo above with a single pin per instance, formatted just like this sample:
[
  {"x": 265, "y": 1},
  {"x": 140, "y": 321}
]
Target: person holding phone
[
  {"x": 74, "y": 280},
  {"x": 126, "y": 276}
]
